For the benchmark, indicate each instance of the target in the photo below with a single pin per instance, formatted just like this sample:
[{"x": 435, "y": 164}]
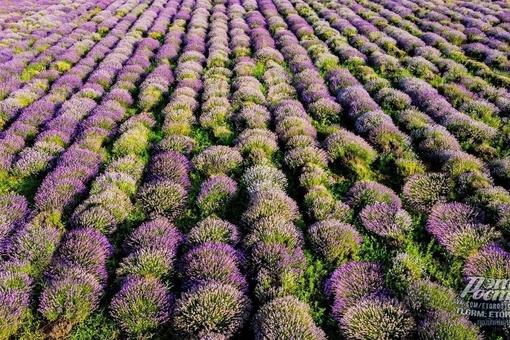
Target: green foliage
[
  {"x": 98, "y": 326},
  {"x": 310, "y": 289},
  {"x": 31, "y": 71}
]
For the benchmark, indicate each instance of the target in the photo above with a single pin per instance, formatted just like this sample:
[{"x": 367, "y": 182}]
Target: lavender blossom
[
  {"x": 284, "y": 318},
  {"x": 421, "y": 192},
  {"x": 141, "y": 306},
  {"x": 212, "y": 262},
  {"x": 373, "y": 318},
  {"x": 70, "y": 299},
  {"x": 351, "y": 282},
  {"x": 213, "y": 229},
  {"x": 216, "y": 194},
  {"x": 158, "y": 233},
  {"x": 459, "y": 228},
  {"x": 162, "y": 198},
  {"x": 444, "y": 324},
  {"x": 335, "y": 241},
  {"x": 263, "y": 177},
  {"x": 268, "y": 203},
  {"x": 217, "y": 159},
  {"x": 490, "y": 261},
  {"x": 364, "y": 193},
  {"x": 213, "y": 308},
  {"x": 387, "y": 221}
]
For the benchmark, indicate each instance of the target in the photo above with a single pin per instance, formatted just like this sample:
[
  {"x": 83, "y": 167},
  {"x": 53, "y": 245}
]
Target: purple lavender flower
[
  {"x": 141, "y": 306},
  {"x": 212, "y": 308},
  {"x": 14, "y": 303},
  {"x": 180, "y": 144},
  {"x": 263, "y": 177},
  {"x": 13, "y": 210},
  {"x": 286, "y": 318},
  {"x": 336, "y": 242},
  {"x": 421, "y": 192},
  {"x": 277, "y": 259},
  {"x": 356, "y": 100},
  {"x": 459, "y": 228},
  {"x": 387, "y": 221},
  {"x": 444, "y": 324},
  {"x": 213, "y": 229},
  {"x": 84, "y": 248},
  {"x": 490, "y": 261},
  {"x": 96, "y": 217},
  {"x": 252, "y": 117},
  {"x": 425, "y": 296},
  {"x": 364, "y": 193},
  {"x": 170, "y": 166},
  {"x": 500, "y": 168},
  {"x": 375, "y": 318},
  {"x": 257, "y": 144},
  {"x": 437, "y": 143},
  {"x": 370, "y": 120},
  {"x": 212, "y": 262},
  {"x": 348, "y": 148},
  {"x": 351, "y": 282},
  {"x": 162, "y": 198},
  {"x": 129, "y": 165},
  {"x": 268, "y": 203},
  {"x": 339, "y": 78},
  {"x": 290, "y": 125},
  {"x": 273, "y": 229},
  {"x": 159, "y": 234},
  {"x": 71, "y": 298},
  {"x": 216, "y": 194},
  {"x": 34, "y": 244},
  {"x": 217, "y": 160},
  {"x": 306, "y": 156},
  {"x": 113, "y": 200}
]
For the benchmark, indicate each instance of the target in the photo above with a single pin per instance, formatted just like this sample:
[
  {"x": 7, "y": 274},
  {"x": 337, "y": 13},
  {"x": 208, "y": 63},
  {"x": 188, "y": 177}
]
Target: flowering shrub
[
  {"x": 212, "y": 308},
  {"x": 386, "y": 220},
  {"x": 214, "y": 230},
  {"x": 283, "y": 318},
  {"x": 336, "y": 242},
  {"x": 374, "y": 317},
  {"x": 141, "y": 306},
  {"x": 459, "y": 228}
]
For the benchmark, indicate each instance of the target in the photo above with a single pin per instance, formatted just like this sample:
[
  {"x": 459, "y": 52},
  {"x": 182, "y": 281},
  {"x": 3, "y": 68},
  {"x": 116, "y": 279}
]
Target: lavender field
[{"x": 254, "y": 169}]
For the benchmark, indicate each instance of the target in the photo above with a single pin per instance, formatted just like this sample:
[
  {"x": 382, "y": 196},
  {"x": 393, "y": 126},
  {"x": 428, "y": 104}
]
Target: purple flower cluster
[
  {"x": 364, "y": 193},
  {"x": 351, "y": 282},
  {"x": 216, "y": 195},
  {"x": 459, "y": 228},
  {"x": 212, "y": 262},
  {"x": 490, "y": 261},
  {"x": 76, "y": 277},
  {"x": 335, "y": 241},
  {"x": 375, "y": 317},
  {"x": 387, "y": 221},
  {"x": 211, "y": 309},
  {"x": 421, "y": 192},
  {"x": 13, "y": 211},
  {"x": 165, "y": 192},
  {"x": 15, "y": 301},
  {"x": 285, "y": 317},
  {"x": 152, "y": 249},
  {"x": 213, "y": 229},
  {"x": 217, "y": 160},
  {"x": 443, "y": 323},
  {"x": 143, "y": 303}
]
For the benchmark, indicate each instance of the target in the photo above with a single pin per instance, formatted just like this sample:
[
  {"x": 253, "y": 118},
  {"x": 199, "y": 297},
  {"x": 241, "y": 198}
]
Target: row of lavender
[{"x": 255, "y": 168}]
